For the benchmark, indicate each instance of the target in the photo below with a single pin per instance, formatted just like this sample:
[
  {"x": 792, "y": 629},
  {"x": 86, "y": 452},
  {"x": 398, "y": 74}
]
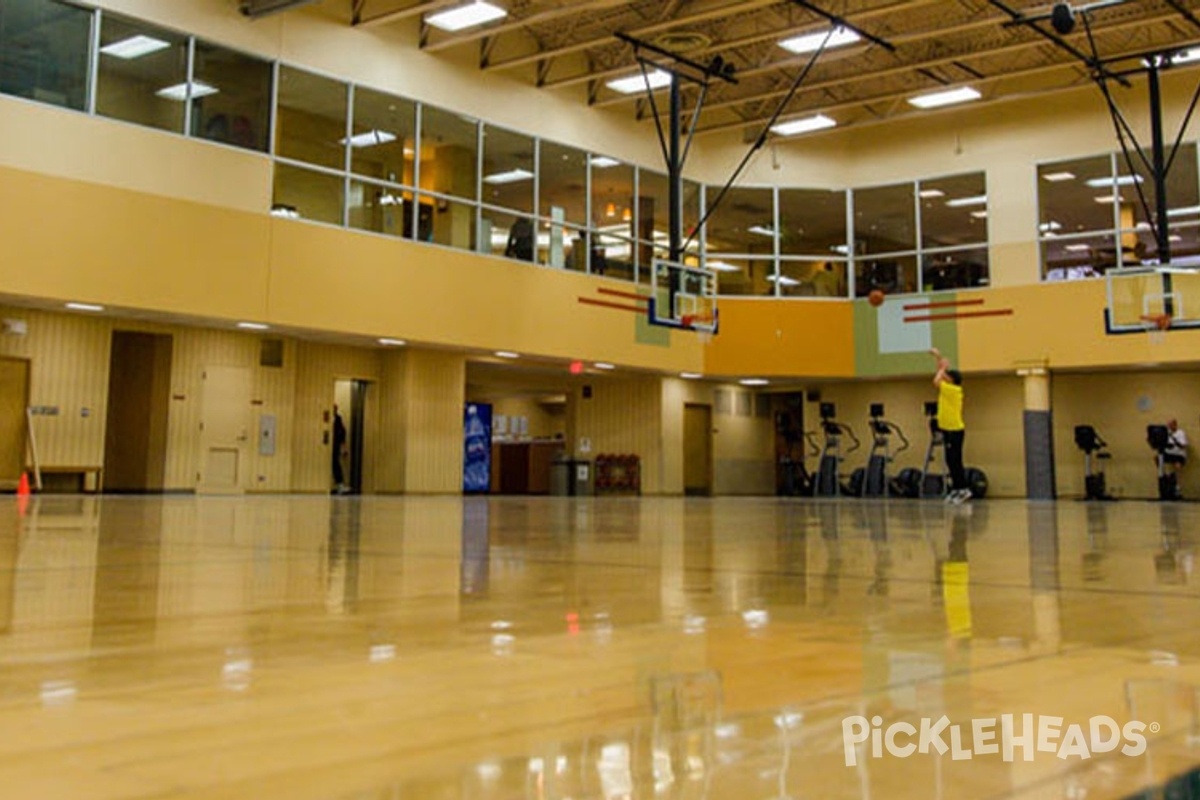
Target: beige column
[{"x": 423, "y": 392}]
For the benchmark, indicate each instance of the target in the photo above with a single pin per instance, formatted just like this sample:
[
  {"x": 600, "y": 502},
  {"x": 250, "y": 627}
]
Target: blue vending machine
[{"x": 477, "y": 448}]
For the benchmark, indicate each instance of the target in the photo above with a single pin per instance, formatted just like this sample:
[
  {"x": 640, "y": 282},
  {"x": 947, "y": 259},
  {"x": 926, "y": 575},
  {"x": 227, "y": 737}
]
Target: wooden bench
[{"x": 91, "y": 479}]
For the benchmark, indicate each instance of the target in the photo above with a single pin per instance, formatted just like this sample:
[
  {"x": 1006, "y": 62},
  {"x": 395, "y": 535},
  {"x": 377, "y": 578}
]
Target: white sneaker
[{"x": 961, "y": 496}]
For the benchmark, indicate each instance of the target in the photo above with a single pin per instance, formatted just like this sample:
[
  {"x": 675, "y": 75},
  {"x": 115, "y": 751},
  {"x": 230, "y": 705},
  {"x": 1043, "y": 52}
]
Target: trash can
[
  {"x": 581, "y": 477},
  {"x": 561, "y": 476}
]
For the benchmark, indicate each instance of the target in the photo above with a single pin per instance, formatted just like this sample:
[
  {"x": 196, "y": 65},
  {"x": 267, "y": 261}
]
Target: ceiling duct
[{"x": 261, "y": 8}]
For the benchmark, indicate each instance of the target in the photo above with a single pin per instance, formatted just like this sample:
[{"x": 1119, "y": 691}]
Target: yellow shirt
[{"x": 950, "y": 404}]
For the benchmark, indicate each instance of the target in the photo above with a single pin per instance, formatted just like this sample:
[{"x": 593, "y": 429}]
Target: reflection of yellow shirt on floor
[
  {"x": 950, "y": 405},
  {"x": 956, "y": 579}
]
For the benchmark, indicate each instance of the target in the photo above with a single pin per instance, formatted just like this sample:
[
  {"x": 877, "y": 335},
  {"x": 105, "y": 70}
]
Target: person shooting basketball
[{"x": 950, "y": 420}]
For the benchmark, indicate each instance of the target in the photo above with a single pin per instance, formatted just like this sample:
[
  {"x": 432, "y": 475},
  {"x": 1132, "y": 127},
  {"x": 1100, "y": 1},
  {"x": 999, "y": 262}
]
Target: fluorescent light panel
[
  {"x": 603, "y": 162},
  {"x": 963, "y": 202},
  {"x": 1078, "y": 248},
  {"x": 463, "y": 17},
  {"x": 506, "y": 354},
  {"x": 783, "y": 280},
  {"x": 761, "y": 230},
  {"x": 179, "y": 91},
  {"x": 636, "y": 83},
  {"x": 929, "y": 194},
  {"x": 511, "y": 176},
  {"x": 392, "y": 342},
  {"x": 253, "y": 326},
  {"x": 370, "y": 138},
  {"x": 1120, "y": 180},
  {"x": 690, "y": 376},
  {"x": 806, "y": 125},
  {"x": 604, "y": 365},
  {"x": 134, "y": 47},
  {"x": 84, "y": 307},
  {"x": 722, "y": 266},
  {"x": 1056, "y": 177},
  {"x": 979, "y": 214},
  {"x": 809, "y": 42},
  {"x": 754, "y": 382},
  {"x": 963, "y": 94}
]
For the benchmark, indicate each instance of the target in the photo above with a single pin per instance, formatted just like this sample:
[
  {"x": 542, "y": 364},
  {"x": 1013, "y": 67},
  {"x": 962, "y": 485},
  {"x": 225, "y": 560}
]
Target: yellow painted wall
[
  {"x": 433, "y": 421},
  {"x": 624, "y": 416},
  {"x": 765, "y": 337},
  {"x": 545, "y": 420}
]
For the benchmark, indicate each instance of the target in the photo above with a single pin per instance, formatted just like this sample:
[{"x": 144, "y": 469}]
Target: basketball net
[{"x": 1156, "y": 326}]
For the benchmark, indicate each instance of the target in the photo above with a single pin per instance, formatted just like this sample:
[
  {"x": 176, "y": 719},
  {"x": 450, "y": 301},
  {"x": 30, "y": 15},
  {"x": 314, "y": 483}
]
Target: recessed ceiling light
[
  {"x": 179, "y": 91},
  {"x": 1120, "y": 180},
  {"x": 603, "y": 162},
  {"x": 812, "y": 41},
  {"x": 754, "y": 382},
  {"x": 511, "y": 176},
  {"x": 370, "y": 138},
  {"x": 783, "y": 280},
  {"x": 84, "y": 307},
  {"x": 723, "y": 266},
  {"x": 929, "y": 194},
  {"x": 806, "y": 125},
  {"x": 604, "y": 365},
  {"x": 761, "y": 230},
  {"x": 656, "y": 79},
  {"x": 507, "y": 354},
  {"x": 253, "y": 326},
  {"x": 463, "y": 17},
  {"x": 949, "y": 97},
  {"x": 392, "y": 342},
  {"x": 1055, "y": 177},
  {"x": 1186, "y": 56},
  {"x": 690, "y": 376},
  {"x": 979, "y": 214},
  {"x": 961, "y": 202},
  {"x": 1077, "y": 248},
  {"x": 134, "y": 47}
]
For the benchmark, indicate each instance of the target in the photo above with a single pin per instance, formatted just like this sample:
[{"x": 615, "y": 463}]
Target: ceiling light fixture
[
  {"x": 369, "y": 139},
  {"x": 1055, "y": 177},
  {"x": 929, "y": 194},
  {"x": 806, "y": 125},
  {"x": 656, "y": 79},
  {"x": 463, "y": 17},
  {"x": 179, "y": 92},
  {"x": 754, "y": 381},
  {"x": 809, "y": 42},
  {"x": 604, "y": 365},
  {"x": 963, "y": 94},
  {"x": 690, "y": 376},
  {"x": 134, "y": 47},
  {"x": 84, "y": 307},
  {"x": 507, "y": 354},
  {"x": 963, "y": 202},
  {"x": 603, "y": 162},
  {"x": 253, "y": 326},
  {"x": 1120, "y": 180},
  {"x": 511, "y": 176},
  {"x": 392, "y": 342}
]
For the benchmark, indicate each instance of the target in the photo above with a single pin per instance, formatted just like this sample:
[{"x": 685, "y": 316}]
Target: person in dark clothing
[{"x": 339, "y": 450}]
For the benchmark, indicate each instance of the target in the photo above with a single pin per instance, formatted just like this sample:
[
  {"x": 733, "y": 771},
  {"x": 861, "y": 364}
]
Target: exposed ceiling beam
[
  {"x": 639, "y": 33},
  {"x": 403, "y": 13},
  {"x": 517, "y": 24}
]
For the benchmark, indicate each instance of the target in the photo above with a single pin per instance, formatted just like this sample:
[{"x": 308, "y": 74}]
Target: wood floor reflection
[{"x": 554, "y": 648}]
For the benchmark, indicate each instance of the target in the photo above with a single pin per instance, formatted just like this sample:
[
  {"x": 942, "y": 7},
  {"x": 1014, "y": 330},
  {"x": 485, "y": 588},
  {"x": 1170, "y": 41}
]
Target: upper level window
[
  {"x": 44, "y": 51},
  {"x": 139, "y": 66},
  {"x": 449, "y": 152},
  {"x": 384, "y": 137},
  {"x": 310, "y": 120},
  {"x": 508, "y": 169},
  {"x": 230, "y": 94}
]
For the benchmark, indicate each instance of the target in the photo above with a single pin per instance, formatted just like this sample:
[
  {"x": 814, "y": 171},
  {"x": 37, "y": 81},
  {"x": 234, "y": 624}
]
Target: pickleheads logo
[{"x": 1015, "y": 736}]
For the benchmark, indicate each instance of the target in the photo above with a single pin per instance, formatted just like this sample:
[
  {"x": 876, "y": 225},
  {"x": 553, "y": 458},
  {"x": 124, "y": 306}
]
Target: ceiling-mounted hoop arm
[
  {"x": 1032, "y": 23},
  {"x": 1119, "y": 120},
  {"x": 760, "y": 141},
  {"x": 840, "y": 22}
]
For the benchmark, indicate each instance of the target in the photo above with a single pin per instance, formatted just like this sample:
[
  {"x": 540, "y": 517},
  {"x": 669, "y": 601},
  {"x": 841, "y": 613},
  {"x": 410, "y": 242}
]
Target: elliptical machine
[
  {"x": 1159, "y": 439},
  {"x": 875, "y": 481},
  {"x": 1094, "y": 449},
  {"x": 934, "y": 484},
  {"x": 828, "y": 472}
]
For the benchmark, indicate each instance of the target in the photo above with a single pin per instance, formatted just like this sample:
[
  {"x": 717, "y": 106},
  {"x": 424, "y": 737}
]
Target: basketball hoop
[{"x": 1156, "y": 326}]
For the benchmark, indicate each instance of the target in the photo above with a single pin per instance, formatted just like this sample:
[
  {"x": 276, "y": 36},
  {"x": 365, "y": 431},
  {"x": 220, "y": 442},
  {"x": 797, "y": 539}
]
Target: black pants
[
  {"x": 954, "y": 458},
  {"x": 339, "y": 476}
]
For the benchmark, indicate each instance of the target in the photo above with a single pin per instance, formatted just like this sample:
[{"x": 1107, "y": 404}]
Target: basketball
[{"x": 875, "y": 298}]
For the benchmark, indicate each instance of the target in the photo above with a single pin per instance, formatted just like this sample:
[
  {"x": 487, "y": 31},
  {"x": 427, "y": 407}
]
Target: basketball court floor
[{"x": 443, "y": 647}]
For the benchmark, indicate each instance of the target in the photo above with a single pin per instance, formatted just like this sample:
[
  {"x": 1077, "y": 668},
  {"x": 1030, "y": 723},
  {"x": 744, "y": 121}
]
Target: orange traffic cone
[{"x": 23, "y": 485}]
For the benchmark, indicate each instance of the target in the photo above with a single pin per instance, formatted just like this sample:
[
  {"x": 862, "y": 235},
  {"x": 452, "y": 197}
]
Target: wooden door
[
  {"x": 14, "y": 400},
  {"x": 697, "y": 449}
]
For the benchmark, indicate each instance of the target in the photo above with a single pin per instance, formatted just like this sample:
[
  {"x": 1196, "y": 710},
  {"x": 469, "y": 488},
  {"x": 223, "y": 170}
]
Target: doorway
[
  {"x": 14, "y": 424},
  {"x": 350, "y": 403},
  {"x": 697, "y": 450},
  {"x": 224, "y": 429},
  {"x": 135, "y": 434}
]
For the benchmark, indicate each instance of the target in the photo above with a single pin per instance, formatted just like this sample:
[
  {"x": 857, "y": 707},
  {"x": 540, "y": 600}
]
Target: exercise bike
[
  {"x": 828, "y": 471},
  {"x": 1159, "y": 439},
  {"x": 875, "y": 482},
  {"x": 1094, "y": 449}
]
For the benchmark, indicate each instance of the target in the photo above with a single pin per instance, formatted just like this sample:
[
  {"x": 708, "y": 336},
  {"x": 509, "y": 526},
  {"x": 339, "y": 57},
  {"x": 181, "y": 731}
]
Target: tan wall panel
[
  {"x": 624, "y": 417},
  {"x": 393, "y": 434},
  {"x": 436, "y": 387},
  {"x": 743, "y": 446}
]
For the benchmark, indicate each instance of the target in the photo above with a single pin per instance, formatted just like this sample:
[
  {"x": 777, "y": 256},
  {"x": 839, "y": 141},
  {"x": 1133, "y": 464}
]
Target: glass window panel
[
  {"x": 308, "y": 194},
  {"x": 312, "y": 118},
  {"x": 385, "y": 129},
  {"x": 813, "y": 279},
  {"x": 507, "y": 169},
  {"x": 957, "y": 269},
  {"x": 1078, "y": 257},
  {"x": 885, "y": 219},
  {"x": 691, "y": 210},
  {"x": 612, "y": 196},
  {"x": 385, "y": 209},
  {"x": 744, "y": 276},
  {"x": 562, "y": 181},
  {"x": 561, "y": 246},
  {"x": 812, "y": 222},
  {"x": 613, "y": 257},
  {"x": 743, "y": 223},
  {"x": 1066, "y": 204},
  {"x": 508, "y": 235},
  {"x": 654, "y": 207},
  {"x": 231, "y": 97},
  {"x": 892, "y": 275},
  {"x": 452, "y": 224},
  {"x": 1182, "y": 188},
  {"x": 954, "y": 210},
  {"x": 449, "y": 152},
  {"x": 136, "y": 62},
  {"x": 44, "y": 51}
]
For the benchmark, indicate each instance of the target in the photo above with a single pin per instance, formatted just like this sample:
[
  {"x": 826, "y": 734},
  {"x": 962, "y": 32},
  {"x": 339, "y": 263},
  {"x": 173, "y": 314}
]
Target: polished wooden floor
[{"x": 313, "y": 647}]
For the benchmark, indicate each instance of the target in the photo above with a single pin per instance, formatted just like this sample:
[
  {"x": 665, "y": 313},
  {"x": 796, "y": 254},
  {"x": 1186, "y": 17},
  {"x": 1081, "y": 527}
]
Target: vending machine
[{"x": 477, "y": 448}]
